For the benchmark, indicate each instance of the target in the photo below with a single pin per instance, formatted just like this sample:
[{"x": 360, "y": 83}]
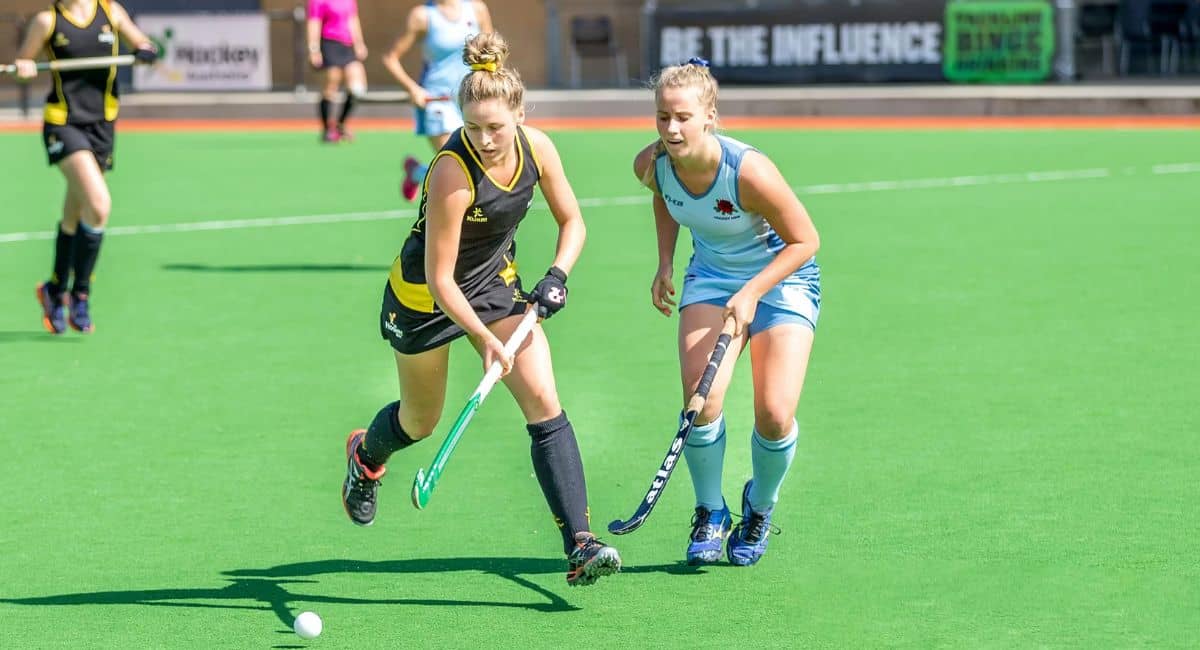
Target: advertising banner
[
  {"x": 999, "y": 41},
  {"x": 207, "y": 52},
  {"x": 810, "y": 41}
]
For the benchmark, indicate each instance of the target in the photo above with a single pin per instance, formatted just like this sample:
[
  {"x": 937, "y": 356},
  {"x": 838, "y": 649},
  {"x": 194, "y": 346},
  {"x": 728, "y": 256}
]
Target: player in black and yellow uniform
[
  {"x": 80, "y": 114},
  {"x": 456, "y": 275}
]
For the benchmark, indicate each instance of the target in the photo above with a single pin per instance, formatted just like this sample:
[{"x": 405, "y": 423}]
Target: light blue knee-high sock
[
  {"x": 705, "y": 454},
  {"x": 419, "y": 174},
  {"x": 771, "y": 460}
]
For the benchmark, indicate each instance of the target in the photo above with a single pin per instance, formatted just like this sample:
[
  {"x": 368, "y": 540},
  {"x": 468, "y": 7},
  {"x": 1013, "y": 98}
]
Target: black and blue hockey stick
[{"x": 618, "y": 527}]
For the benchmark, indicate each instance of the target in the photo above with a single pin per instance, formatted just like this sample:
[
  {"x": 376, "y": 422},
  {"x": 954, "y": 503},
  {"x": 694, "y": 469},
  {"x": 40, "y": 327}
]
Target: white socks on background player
[{"x": 705, "y": 456}]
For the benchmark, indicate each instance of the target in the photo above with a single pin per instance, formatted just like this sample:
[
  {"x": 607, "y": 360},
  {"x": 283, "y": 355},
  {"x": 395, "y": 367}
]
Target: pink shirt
[{"x": 335, "y": 18}]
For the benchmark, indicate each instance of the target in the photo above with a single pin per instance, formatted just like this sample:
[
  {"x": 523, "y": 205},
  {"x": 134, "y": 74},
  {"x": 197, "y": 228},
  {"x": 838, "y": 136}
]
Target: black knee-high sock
[
  {"x": 560, "y": 472},
  {"x": 325, "y": 108},
  {"x": 346, "y": 108},
  {"x": 84, "y": 256},
  {"x": 63, "y": 245},
  {"x": 384, "y": 437}
]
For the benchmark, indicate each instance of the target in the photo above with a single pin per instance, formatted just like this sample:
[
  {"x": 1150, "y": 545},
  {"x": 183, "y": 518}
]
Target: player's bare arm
[
  {"x": 764, "y": 191},
  {"x": 414, "y": 29},
  {"x": 35, "y": 39}
]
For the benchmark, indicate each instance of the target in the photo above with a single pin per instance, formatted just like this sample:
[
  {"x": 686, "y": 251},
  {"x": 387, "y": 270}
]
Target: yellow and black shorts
[{"x": 411, "y": 332}]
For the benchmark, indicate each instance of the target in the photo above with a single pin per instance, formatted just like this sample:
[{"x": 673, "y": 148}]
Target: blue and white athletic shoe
[
  {"x": 748, "y": 541},
  {"x": 709, "y": 530}
]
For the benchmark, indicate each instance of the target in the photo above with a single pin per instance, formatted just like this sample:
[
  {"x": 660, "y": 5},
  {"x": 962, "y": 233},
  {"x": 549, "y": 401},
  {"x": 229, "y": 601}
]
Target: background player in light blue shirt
[
  {"x": 753, "y": 261},
  {"x": 441, "y": 27}
]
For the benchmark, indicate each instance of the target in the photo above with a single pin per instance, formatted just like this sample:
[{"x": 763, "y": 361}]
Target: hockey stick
[
  {"x": 395, "y": 97},
  {"x": 424, "y": 482},
  {"x": 618, "y": 527},
  {"x": 83, "y": 63}
]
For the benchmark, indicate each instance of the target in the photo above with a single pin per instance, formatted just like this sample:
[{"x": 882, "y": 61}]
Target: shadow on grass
[
  {"x": 266, "y": 589},
  {"x": 276, "y": 268},
  {"x": 38, "y": 336}
]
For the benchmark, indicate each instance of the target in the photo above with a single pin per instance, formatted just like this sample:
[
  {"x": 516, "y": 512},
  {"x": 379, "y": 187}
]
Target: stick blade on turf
[{"x": 419, "y": 496}]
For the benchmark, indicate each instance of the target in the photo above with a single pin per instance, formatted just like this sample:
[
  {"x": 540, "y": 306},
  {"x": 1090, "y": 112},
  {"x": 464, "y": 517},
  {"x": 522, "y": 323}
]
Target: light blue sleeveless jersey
[
  {"x": 731, "y": 245},
  {"x": 443, "y": 49}
]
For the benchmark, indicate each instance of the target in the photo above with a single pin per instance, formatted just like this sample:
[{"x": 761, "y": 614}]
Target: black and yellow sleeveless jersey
[
  {"x": 82, "y": 96},
  {"x": 486, "y": 248}
]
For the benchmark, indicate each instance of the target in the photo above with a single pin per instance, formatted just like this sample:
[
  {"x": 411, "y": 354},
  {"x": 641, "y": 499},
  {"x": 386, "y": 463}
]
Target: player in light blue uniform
[
  {"x": 442, "y": 27},
  {"x": 753, "y": 262}
]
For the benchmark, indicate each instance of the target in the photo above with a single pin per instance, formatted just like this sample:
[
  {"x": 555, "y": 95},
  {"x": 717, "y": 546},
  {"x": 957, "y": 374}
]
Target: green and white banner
[{"x": 998, "y": 41}]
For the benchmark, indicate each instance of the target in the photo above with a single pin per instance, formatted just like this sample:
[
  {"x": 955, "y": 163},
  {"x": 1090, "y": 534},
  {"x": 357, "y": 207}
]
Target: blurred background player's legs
[
  {"x": 433, "y": 123},
  {"x": 356, "y": 86},
  {"x": 329, "y": 94}
]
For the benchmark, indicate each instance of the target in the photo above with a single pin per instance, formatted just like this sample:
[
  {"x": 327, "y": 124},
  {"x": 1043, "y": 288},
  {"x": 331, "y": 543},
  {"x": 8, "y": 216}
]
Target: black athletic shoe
[
  {"x": 361, "y": 485},
  {"x": 590, "y": 560}
]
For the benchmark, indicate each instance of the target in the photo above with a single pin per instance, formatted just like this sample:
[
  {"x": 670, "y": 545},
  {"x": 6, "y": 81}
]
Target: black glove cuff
[{"x": 558, "y": 273}]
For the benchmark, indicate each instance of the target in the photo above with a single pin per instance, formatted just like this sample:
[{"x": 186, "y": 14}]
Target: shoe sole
[
  {"x": 349, "y": 450},
  {"x": 606, "y": 562},
  {"x": 41, "y": 298},
  {"x": 707, "y": 557}
]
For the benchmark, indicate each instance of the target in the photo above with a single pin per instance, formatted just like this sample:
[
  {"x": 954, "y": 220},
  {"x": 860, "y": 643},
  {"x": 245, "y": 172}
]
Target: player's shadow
[
  {"x": 275, "y": 268},
  {"x": 264, "y": 589},
  {"x": 36, "y": 336}
]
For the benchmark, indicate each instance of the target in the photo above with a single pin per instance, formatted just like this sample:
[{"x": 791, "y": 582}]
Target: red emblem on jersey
[{"x": 724, "y": 206}]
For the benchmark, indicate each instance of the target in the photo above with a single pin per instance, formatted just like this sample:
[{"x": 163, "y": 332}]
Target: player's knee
[
  {"x": 418, "y": 425},
  {"x": 96, "y": 210},
  {"x": 774, "y": 423},
  {"x": 357, "y": 90},
  {"x": 711, "y": 411},
  {"x": 542, "y": 406}
]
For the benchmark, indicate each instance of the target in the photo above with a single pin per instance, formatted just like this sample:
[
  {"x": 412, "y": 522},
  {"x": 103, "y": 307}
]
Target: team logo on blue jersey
[{"x": 724, "y": 206}]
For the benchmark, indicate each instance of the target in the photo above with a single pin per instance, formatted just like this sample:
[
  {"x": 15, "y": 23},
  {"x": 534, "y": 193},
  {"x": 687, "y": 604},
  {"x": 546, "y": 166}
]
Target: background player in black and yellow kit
[
  {"x": 456, "y": 275},
  {"x": 81, "y": 111}
]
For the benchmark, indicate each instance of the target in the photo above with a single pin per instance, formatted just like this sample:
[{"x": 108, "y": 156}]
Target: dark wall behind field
[{"x": 523, "y": 22}]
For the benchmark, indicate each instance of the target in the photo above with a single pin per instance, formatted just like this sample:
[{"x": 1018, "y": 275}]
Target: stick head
[{"x": 420, "y": 491}]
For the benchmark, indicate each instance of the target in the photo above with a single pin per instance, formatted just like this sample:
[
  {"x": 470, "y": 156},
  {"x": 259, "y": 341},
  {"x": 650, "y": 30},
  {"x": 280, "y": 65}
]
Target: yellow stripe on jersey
[
  {"x": 56, "y": 112},
  {"x": 509, "y": 272},
  {"x": 516, "y": 176},
  {"x": 414, "y": 296},
  {"x": 532, "y": 151},
  {"x": 111, "y": 104}
]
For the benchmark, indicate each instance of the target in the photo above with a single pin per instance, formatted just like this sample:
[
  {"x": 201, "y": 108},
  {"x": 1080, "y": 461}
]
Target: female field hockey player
[
  {"x": 456, "y": 274},
  {"x": 78, "y": 132},
  {"x": 335, "y": 45},
  {"x": 753, "y": 262},
  {"x": 441, "y": 26}
]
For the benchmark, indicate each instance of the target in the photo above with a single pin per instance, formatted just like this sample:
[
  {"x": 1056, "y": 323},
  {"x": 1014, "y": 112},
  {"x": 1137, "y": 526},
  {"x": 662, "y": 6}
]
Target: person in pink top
[{"x": 335, "y": 45}]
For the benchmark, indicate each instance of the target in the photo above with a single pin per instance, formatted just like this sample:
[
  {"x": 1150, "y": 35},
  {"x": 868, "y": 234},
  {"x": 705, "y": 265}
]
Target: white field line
[{"x": 978, "y": 180}]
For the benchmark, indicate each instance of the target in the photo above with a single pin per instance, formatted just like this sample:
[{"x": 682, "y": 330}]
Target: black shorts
[
  {"x": 413, "y": 332},
  {"x": 336, "y": 54},
  {"x": 65, "y": 139}
]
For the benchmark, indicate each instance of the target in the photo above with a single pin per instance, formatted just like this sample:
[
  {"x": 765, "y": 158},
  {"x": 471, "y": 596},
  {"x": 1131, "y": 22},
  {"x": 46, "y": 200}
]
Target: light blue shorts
[
  {"x": 438, "y": 118},
  {"x": 795, "y": 300}
]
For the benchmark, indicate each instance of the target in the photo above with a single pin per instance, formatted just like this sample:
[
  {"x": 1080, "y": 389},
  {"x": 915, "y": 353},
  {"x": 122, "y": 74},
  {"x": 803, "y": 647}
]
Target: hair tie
[
  {"x": 695, "y": 60},
  {"x": 490, "y": 66}
]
